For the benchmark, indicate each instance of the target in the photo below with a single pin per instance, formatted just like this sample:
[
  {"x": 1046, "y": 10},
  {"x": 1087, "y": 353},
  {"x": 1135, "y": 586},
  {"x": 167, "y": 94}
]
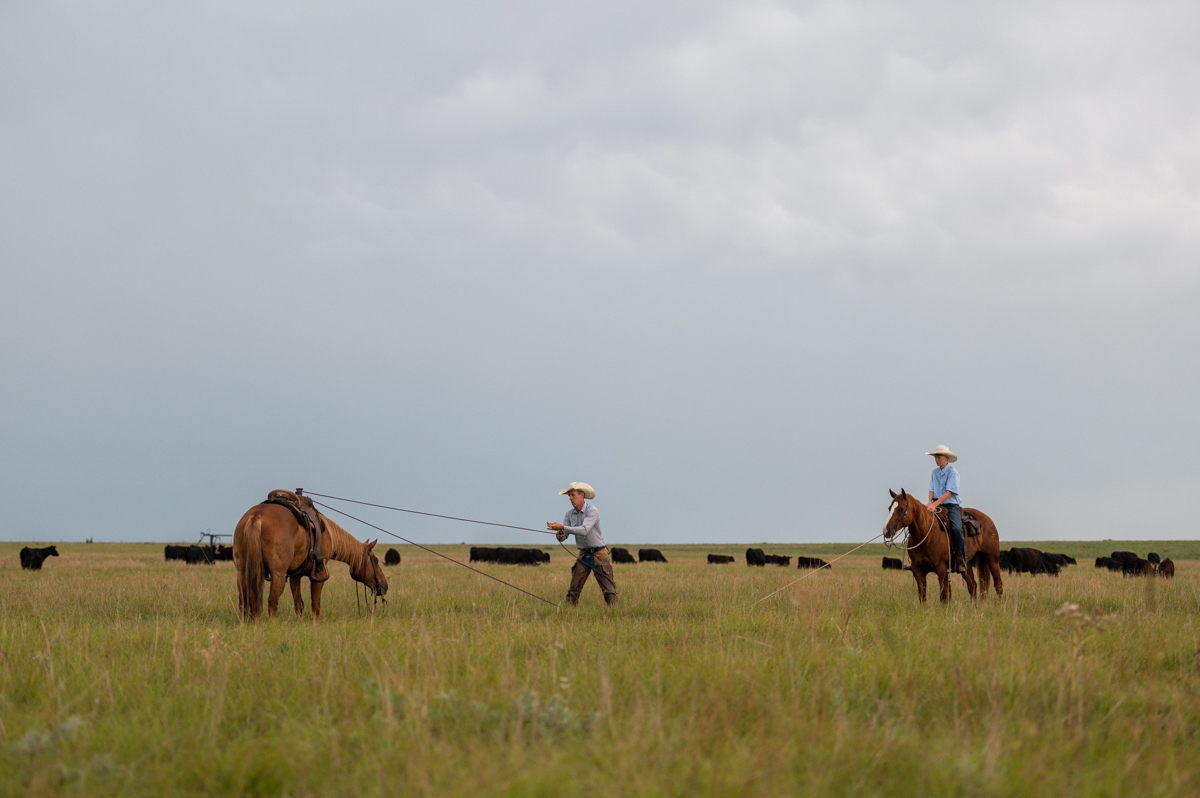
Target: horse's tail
[{"x": 250, "y": 570}]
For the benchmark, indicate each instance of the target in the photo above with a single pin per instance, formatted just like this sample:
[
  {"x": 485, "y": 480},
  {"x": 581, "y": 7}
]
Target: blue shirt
[
  {"x": 942, "y": 480},
  {"x": 585, "y": 526}
]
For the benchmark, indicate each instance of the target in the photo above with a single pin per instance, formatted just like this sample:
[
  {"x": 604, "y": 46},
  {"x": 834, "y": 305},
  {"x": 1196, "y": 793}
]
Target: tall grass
[{"x": 122, "y": 674}]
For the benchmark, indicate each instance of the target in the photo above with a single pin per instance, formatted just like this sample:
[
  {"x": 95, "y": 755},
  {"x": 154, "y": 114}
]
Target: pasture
[{"x": 121, "y": 674}]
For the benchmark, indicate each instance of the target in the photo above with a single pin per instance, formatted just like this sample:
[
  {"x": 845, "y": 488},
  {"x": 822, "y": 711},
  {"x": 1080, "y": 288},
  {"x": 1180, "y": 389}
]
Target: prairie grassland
[{"x": 122, "y": 674}]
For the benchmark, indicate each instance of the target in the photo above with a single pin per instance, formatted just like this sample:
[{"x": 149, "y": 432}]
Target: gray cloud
[{"x": 736, "y": 265}]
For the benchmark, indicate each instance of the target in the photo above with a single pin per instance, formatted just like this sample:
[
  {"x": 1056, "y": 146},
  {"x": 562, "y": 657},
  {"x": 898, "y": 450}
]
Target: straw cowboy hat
[
  {"x": 941, "y": 449},
  {"x": 589, "y": 492}
]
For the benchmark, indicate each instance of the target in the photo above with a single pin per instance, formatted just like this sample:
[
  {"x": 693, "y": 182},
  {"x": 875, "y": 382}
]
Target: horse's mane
[{"x": 344, "y": 547}]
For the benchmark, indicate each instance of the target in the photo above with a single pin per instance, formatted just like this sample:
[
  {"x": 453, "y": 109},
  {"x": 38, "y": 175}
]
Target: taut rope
[
  {"x": 431, "y": 551},
  {"x": 810, "y": 573}
]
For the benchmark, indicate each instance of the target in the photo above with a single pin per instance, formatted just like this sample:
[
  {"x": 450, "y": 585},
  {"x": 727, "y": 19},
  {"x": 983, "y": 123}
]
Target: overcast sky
[{"x": 736, "y": 265}]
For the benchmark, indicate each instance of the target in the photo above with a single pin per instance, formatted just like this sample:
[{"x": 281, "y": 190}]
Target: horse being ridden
[
  {"x": 928, "y": 546},
  {"x": 269, "y": 543}
]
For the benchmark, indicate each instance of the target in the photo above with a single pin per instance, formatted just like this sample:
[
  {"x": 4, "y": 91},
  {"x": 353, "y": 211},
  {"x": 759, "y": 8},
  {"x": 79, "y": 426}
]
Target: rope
[
  {"x": 810, "y": 573},
  {"x": 431, "y": 551},
  {"x": 431, "y": 515}
]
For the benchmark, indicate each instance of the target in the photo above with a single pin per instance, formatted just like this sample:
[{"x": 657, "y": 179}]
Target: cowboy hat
[
  {"x": 589, "y": 492},
  {"x": 943, "y": 449}
]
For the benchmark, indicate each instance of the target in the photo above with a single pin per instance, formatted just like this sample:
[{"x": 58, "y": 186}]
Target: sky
[{"x": 737, "y": 265}]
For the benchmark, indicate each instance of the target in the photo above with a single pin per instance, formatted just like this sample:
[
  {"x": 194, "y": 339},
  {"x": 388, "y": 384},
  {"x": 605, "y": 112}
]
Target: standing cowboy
[
  {"x": 943, "y": 484},
  {"x": 583, "y": 521}
]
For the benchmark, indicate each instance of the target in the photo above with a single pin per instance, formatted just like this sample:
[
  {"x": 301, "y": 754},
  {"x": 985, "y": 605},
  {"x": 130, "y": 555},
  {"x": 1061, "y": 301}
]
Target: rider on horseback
[{"x": 943, "y": 484}]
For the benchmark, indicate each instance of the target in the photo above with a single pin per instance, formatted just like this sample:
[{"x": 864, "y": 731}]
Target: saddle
[
  {"x": 306, "y": 514},
  {"x": 970, "y": 523}
]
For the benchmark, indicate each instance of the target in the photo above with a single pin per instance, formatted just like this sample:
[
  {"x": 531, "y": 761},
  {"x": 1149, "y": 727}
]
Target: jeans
[
  {"x": 601, "y": 565},
  {"x": 954, "y": 511}
]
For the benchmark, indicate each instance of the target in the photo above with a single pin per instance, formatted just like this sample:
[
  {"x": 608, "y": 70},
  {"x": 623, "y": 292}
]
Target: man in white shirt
[{"x": 583, "y": 521}]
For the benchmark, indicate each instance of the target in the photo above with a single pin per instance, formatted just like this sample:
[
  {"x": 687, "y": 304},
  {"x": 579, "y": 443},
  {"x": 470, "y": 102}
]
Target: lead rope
[
  {"x": 431, "y": 551},
  {"x": 818, "y": 570}
]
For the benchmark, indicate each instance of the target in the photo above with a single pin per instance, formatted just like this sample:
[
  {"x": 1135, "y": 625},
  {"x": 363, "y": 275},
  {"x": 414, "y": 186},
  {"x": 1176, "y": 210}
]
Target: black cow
[
  {"x": 893, "y": 564},
  {"x": 1124, "y": 555},
  {"x": 192, "y": 555},
  {"x": 1006, "y": 561},
  {"x": 223, "y": 552},
  {"x": 755, "y": 557},
  {"x": 392, "y": 557},
  {"x": 1166, "y": 568},
  {"x": 1061, "y": 560},
  {"x": 1153, "y": 557},
  {"x": 778, "y": 559},
  {"x": 650, "y": 555},
  {"x": 811, "y": 562},
  {"x": 719, "y": 559},
  {"x": 483, "y": 554},
  {"x": 1031, "y": 561},
  {"x": 622, "y": 556},
  {"x": 32, "y": 559},
  {"x": 1136, "y": 566}
]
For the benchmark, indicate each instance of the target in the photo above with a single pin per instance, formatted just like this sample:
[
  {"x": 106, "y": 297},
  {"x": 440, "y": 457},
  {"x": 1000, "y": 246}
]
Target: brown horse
[
  {"x": 929, "y": 546},
  {"x": 269, "y": 543}
]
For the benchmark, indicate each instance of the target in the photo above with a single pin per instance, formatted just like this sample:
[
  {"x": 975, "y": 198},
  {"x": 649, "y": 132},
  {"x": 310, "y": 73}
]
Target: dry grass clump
[{"x": 123, "y": 674}]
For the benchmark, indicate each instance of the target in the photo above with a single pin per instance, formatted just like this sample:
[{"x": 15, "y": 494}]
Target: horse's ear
[
  {"x": 902, "y": 493},
  {"x": 893, "y": 492},
  {"x": 371, "y": 543}
]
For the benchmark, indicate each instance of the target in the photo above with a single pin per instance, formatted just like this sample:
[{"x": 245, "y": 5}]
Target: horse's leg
[
  {"x": 297, "y": 599},
  {"x": 278, "y": 580},
  {"x": 919, "y": 575},
  {"x": 969, "y": 578},
  {"x": 315, "y": 589},
  {"x": 994, "y": 565},
  {"x": 943, "y": 575},
  {"x": 985, "y": 573}
]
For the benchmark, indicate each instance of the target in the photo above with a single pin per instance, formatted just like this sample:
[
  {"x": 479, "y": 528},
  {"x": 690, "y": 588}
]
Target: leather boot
[{"x": 960, "y": 567}]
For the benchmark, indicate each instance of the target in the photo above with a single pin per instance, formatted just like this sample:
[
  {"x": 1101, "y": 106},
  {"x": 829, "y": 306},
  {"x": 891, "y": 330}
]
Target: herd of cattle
[
  {"x": 1019, "y": 560},
  {"x": 1033, "y": 561}
]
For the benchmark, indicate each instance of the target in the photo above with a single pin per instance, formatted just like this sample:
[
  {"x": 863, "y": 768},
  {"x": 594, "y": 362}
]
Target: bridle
[
  {"x": 890, "y": 543},
  {"x": 363, "y": 560}
]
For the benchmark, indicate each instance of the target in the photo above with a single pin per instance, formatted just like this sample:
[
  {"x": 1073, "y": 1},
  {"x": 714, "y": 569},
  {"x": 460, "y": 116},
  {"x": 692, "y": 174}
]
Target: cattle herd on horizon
[{"x": 1016, "y": 560}]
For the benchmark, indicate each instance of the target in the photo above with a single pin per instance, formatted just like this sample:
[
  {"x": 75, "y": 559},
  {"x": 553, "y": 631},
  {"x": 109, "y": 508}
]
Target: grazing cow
[
  {"x": 1124, "y": 555},
  {"x": 778, "y": 559},
  {"x": 1061, "y": 560},
  {"x": 650, "y": 555},
  {"x": 503, "y": 555},
  {"x": 1006, "y": 563},
  {"x": 893, "y": 564},
  {"x": 1136, "y": 566},
  {"x": 1166, "y": 568},
  {"x": 811, "y": 562},
  {"x": 1029, "y": 561},
  {"x": 622, "y": 556},
  {"x": 755, "y": 557},
  {"x": 392, "y": 557},
  {"x": 1153, "y": 557},
  {"x": 719, "y": 559},
  {"x": 192, "y": 555},
  {"x": 32, "y": 559}
]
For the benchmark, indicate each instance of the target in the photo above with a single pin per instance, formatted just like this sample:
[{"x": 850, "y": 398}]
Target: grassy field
[{"x": 124, "y": 675}]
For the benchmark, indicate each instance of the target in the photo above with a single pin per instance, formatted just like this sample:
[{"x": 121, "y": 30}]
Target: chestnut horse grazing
[
  {"x": 928, "y": 546},
  {"x": 269, "y": 543}
]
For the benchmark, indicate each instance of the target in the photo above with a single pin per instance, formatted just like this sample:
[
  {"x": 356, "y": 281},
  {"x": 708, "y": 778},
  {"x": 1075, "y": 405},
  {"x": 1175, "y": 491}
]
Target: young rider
[{"x": 943, "y": 484}]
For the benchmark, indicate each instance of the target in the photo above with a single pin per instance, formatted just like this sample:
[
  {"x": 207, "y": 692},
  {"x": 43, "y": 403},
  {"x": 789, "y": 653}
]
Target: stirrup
[{"x": 320, "y": 573}]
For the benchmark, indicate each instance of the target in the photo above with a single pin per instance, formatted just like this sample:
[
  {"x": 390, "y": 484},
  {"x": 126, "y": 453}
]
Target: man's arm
[
  {"x": 589, "y": 521},
  {"x": 934, "y": 505}
]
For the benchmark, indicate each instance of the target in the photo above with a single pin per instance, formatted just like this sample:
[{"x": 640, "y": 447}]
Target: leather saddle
[
  {"x": 307, "y": 516},
  {"x": 970, "y": 523}
]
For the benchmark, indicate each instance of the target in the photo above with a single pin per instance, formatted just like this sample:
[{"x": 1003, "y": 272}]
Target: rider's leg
[{"x": 957, "y": 538}]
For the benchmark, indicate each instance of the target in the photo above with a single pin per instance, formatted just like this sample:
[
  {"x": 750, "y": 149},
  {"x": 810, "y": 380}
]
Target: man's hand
[
  {"x": 552, "y": 525},
  {"x": 561, "y": 536},
  {"x": 931, "y": 507}
]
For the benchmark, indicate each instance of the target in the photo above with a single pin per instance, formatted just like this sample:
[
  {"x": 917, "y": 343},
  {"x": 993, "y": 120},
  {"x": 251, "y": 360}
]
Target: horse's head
[
  {"x": 367, "y": 570},
  {"x": 902, "y": 514}
]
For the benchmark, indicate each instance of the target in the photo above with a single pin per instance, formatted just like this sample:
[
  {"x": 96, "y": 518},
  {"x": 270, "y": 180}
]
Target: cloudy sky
[{"x": 737, "y": 265}]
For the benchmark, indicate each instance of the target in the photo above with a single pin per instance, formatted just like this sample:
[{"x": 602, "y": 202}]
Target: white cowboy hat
[
  {"x": 589, "y": 492},
  {"x": 943, "y": 449}
]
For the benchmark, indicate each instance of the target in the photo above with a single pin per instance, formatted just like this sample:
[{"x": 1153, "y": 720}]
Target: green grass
[{"x": 122, "y": 674}]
